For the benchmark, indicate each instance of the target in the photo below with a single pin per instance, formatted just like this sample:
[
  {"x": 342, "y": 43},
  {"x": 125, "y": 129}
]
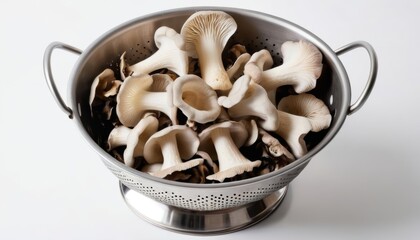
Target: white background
[{"x": 364, "y": 185}]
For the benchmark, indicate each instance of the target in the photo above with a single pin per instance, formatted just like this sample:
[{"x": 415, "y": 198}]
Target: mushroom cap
[
  {"x": 307, "y": 105},
  {"x": 179, "y": 167},
  {"x": 186, "y": 139},
  {"x": 124, "y": 67},
  {"x": 103, "y": 86},
  {"x": 237, "y": 93},
  {"x": 207, "y": 24},
  {"x": 259, "y": 62},
  {"x": 196, "y": 99},
  {"x": 129, "y": 96},
  {"x": 238, "y": 134},
  {"x": 134, "y": 89},
  {"x": 166, "y": 32},
  {"x": 151, "y": 168},
  {"x": 161, "y": 83},
  {"x": 237, "y": 69},
  {"x": 256, "y": 103},
  {"x": 302, "y": 66},
  {"x": 118, "y": 137},
  {"x": 236, "y": 170}
]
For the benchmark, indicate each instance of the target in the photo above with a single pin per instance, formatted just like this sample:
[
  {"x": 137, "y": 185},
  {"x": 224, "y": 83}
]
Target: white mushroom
[
  {"x": 302, "y": 66},
  {"x": 171, "y": 145},
  {"x": 134, "y": 138},
  {"x": 298, "y": 115},
  {"x": 237, "y": 69},
  {"x": 206, "y": 34},
  {"x": 225, "y": 139},
  {"x": 103, "y": 86},
  {"x": 144, "y": 93},
  {"x": 255, "y": 102},
  {"x": 195, "y": 99},
  {"x": 237, "y": 93},
  {"x": 259, "y": 62},
  {"x": 170, "y": 55}
]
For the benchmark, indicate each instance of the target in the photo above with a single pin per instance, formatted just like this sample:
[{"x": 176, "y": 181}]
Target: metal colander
[{"x": 196, "y": 207}]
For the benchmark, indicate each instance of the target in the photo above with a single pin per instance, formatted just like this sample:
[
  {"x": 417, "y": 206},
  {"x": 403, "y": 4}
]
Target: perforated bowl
[{"x": 205, "y": 208}]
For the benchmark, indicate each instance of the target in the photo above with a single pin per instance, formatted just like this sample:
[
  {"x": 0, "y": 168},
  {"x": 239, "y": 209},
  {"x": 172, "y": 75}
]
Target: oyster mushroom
[
  {"x": 302, "y": 66},
  {"x": 145, "y": 93},
  {"x": 237, "y": 69},
  {"x": 253, "y": 102},
  {"x": 171, "y": 145},
  {"x": 195, "y": 99},
  {"x": 103, "y": 86},
  {"x": 133, "y": 138},
  {"x": 206, "y": 34},
  {"x": 170, "y": 55},
  {"x": 224, "y": 140},
  {"x": 237, "y": 93},
  {"x": 298, "y": 115},
  {"x": 259, "y": 62}
]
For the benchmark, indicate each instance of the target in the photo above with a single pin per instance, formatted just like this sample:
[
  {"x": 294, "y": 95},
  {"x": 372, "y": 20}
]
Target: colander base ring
[{"x": 201, "y": 222}]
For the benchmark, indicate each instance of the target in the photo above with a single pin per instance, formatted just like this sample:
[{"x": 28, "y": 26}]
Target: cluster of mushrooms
[{"x": 186, "y": 114}]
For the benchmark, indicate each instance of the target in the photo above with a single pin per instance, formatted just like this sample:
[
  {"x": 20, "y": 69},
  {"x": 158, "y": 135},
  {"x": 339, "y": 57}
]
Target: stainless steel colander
[{"x": 205, "y": 208}]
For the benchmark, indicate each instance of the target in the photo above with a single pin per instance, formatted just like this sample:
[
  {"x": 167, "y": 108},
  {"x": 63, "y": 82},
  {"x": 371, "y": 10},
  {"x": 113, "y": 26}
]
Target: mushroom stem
[
  {"x": 254, "y": 102},
  {"x": 170, "y": 152},
  {"x": 162, "y": 58},
  {"x": 169, "y": 55},
  {"x": 293, "y": 129},
  {"x": 139, "y": 94},
  {"x": 213, "y": 71},
  {"x": 153, "y": 101},
  {"x": 299, "y": 114},
  {"x": 172, "y": 161},
  {"x": 231, "y": 160}
]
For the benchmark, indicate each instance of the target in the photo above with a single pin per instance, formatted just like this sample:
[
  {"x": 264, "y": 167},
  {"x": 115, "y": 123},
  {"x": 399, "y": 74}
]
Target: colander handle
[
  {"x": 372, "y": 73},
  {"x": 49, "y": 76}
]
